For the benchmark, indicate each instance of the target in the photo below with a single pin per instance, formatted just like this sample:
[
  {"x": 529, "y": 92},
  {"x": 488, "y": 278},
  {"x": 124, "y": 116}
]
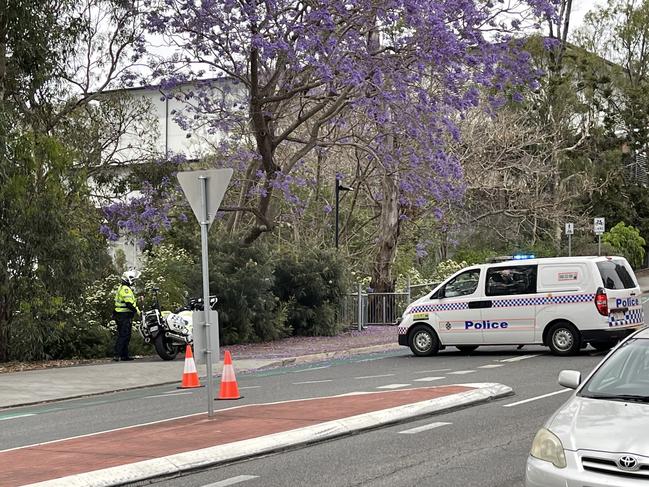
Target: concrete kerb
[
  {"x": 175, "y": 465},
  {"x": 340, "y": 353}
]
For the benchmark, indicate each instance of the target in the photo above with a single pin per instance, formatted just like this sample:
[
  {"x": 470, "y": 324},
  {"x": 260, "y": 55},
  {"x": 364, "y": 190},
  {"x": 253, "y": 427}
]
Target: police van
[{"x": 564, "y": 303}]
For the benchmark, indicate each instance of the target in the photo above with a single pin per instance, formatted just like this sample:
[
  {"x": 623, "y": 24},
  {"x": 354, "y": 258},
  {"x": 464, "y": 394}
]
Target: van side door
[
  {"x": 458, "y": 308},
  {"x": 511, "y": 318}
]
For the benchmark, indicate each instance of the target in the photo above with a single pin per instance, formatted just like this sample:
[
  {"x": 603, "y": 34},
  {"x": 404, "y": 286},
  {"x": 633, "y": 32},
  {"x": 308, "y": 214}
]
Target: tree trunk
[
  {"x": 388, "y": 234},
  {"x": 264, "y": 136},
  {"x": 4, "y": 328}
]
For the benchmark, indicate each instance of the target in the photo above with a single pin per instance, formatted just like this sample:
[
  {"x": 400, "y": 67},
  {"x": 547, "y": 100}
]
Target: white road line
[
  {"x": 310, "y": 369},
  {"x": 169, "y": 394},
  {"x": 392, "y": 386},
  {"x": 461, "y": 372},
  {"x": 536, "y": 398},
  {"x": 312, "y": 382},
  {"x": 231, "y": 481},
  {"x": 429, "y": 379},
  {"x": 430, "y": 371},
  {"x": 522, "y": 357},
  {"x": 17, "y": 416},
  {"x": 419, "y": 429},
  {"x": 491, "y": 366},
  {"x": 375, "y": 376},
  {"x": 250, "y": 387}
]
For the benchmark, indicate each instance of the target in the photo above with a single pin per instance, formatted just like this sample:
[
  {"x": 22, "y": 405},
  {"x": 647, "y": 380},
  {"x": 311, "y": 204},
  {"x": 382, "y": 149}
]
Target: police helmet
[{"x": 129, "y": 277}]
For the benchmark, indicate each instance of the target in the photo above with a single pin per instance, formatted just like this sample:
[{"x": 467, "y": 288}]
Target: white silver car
[{"x": 600, "y": 436}]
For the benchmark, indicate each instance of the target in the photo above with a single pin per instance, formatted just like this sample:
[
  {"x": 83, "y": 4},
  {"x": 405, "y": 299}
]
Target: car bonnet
[{"x": 598, "y": 424}]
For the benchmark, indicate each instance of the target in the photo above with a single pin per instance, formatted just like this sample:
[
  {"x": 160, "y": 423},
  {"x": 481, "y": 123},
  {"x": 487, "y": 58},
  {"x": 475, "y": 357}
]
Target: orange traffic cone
[
  {"x": 190, "y": 376},
  {"x": 229, "y": 387}
]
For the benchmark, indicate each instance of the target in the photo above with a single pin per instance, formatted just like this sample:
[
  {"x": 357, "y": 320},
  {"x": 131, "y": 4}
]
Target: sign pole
[
  {"x": 204, "y": 190},
  {"x": 205, "y": 223},
  {"x": 599, "y": 244},
  {"x": 570, "y": 229}
]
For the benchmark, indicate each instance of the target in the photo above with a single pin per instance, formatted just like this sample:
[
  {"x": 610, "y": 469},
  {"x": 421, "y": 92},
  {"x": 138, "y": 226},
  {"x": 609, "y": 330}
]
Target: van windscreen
[{"x": 615, "y": 275}]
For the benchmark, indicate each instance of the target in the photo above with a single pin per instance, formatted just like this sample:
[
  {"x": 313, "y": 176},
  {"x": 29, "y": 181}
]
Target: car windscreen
[
  {"x": 624, "y": 375},
  {"x": 615, "y": 275}
]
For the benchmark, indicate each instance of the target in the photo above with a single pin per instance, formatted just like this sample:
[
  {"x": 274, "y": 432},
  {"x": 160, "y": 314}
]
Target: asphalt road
[
  {"x": 482, "y": 445},
  {"x": 485, "y": 445}
]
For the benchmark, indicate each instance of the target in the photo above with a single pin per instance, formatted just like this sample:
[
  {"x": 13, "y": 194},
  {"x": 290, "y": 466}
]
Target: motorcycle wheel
[{"x": 166, "y": 350}]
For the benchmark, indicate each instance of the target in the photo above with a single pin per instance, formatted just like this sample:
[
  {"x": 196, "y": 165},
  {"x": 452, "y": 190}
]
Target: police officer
[{"x": 125, "y": 310}]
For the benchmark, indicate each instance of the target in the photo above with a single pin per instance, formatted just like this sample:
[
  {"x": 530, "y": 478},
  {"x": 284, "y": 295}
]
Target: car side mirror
[{"x": 569, "y": 378}]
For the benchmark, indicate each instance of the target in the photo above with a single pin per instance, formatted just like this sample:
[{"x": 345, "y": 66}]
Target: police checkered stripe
[
  {"x": 572, "y": 298},
  {"x": 506, "y": 303},
  {"x": 402, "y": 330},
  {"x": 429, "y": 308},
  {"x": 565, "y": 299},
  {"x": 631, "y": 317}
]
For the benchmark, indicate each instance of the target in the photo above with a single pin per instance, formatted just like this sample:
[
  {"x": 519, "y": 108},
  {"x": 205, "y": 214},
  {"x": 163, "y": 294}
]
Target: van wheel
[
  {"x": 423, "y": 341},
  {"x": 466, "y": 348},
  {"x": 564, "y": 339}
]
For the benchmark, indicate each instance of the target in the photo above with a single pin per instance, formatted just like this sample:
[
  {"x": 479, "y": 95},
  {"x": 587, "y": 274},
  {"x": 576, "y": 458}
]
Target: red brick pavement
[{"x": 103, "y": 450}]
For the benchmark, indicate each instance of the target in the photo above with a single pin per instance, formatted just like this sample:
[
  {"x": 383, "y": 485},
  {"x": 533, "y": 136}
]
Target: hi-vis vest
[{"x": 124, "y": 295}]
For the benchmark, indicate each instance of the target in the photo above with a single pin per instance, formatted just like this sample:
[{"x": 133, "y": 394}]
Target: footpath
[{"x": 233, "y": 433}]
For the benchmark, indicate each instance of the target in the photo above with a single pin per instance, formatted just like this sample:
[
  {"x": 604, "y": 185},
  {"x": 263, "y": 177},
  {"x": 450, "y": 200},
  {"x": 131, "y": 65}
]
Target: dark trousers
[{"x": 124, "y": 324}]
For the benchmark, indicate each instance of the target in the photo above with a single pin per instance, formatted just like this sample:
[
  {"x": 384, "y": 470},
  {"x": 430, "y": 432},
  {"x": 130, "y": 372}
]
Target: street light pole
[{"x": 339, "y": 188}]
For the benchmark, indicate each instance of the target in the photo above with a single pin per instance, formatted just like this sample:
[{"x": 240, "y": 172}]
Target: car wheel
[
  {"x": 564, "y": 339},
  {"x": 603, "y": 346},
  {"x": 423, "y": 341},
  {"x": 466, "y": 348}
]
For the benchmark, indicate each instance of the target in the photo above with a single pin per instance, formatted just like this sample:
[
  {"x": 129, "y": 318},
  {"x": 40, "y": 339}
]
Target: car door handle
[{"x": 480, "y": 304}]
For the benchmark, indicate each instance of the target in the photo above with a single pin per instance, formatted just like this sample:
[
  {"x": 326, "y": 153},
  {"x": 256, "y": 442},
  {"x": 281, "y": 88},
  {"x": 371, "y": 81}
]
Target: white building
[{"x": 176, "y": 121}]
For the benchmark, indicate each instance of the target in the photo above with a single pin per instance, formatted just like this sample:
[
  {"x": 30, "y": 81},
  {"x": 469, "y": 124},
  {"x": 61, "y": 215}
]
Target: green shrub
[
  {"x": 474, "y": 255},
  {"x": 170, "y": 269},
  {"x": 313, "y": 285},
  {"x": 626, "y": 240},
  {"x": 447, "y": 268},
  {"x": 47, "y": 328},
  {"x": 242, "y": 279}
]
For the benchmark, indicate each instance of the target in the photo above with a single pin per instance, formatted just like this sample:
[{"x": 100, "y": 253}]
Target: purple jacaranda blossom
[
  {"x": 147, "y": 213},
  {"x": 285, "y": 74}
]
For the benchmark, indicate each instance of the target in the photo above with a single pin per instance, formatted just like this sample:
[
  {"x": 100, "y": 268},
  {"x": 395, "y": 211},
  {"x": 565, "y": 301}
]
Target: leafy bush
[
  {"x": 242, "y": 278},
  {"x": 626, "y": 240},
  {"x": 447, "y": 268},
  {"x": 170, "y": 269},
  {"x": 313, "y": 285},
  {"x": 474, "y": 255},
  {"x": 46, "y": 328}
]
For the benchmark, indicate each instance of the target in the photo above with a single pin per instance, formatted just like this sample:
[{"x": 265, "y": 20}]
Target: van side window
[
  {"x": 615, "y": 275},
  {"x": 505, "y": 281},
  {"x": 462, "y": 285}
]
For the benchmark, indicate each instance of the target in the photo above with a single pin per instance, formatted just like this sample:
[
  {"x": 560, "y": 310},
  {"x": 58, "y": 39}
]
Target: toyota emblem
[{"x": 628, "y": 462}]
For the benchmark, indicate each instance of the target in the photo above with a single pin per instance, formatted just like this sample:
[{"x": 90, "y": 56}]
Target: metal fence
[{"x": 379, "y": 308}]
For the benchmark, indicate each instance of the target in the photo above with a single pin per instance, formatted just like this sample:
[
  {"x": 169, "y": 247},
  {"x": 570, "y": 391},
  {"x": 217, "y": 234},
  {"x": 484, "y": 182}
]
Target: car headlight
[{"x": 547, "y": 446}]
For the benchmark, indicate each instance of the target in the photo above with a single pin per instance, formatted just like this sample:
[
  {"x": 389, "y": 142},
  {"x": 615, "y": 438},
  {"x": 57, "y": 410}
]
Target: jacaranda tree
[{"x": 301, "y": 71}]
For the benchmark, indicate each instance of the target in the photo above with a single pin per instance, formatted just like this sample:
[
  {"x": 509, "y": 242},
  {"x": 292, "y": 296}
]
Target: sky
[{"x": 579, "y": 9}]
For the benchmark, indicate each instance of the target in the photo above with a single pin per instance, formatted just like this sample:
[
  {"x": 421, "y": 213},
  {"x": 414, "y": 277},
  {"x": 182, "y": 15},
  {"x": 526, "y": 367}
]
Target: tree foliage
[{"x": 627, "y": 241}]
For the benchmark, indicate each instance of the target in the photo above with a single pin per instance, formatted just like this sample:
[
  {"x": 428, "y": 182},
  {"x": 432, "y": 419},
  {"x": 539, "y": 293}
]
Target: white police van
[{"x": 564, "y": 303}]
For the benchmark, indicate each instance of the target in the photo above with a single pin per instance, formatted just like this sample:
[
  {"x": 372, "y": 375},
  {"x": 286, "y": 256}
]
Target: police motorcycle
[{"x": 170, "y": 332}]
